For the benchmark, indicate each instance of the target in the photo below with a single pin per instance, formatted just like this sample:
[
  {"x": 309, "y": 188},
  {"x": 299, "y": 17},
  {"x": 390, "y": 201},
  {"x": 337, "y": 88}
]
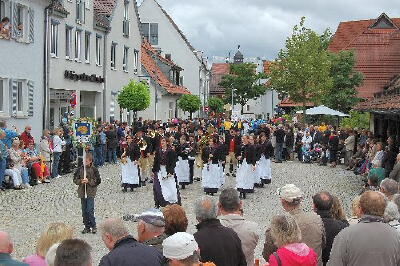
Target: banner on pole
[{"x": 83, "y": 131}]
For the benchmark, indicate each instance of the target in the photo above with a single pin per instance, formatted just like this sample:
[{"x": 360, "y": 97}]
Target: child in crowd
[{"x": 87, "y": 188}]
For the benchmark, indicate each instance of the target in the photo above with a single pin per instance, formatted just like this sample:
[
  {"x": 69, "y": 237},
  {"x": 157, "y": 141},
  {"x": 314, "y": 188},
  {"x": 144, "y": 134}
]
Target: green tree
[
  {"x": 356, "y": 120},
  {"x": 134, "y": 97},
  {"x": 189, "y": 103},
  {"x": 245, "y": 82},
  {"x": 302, "y": 69},
  {"x": 342, "y": 95},
  {"x": 216, "y": 104}
]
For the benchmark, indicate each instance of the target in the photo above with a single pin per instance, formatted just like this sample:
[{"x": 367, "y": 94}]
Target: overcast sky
[{"x": 261, "y": 26}]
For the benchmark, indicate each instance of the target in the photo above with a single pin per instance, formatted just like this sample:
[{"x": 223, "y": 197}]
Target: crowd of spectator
[{"x": 225, "y": 238}]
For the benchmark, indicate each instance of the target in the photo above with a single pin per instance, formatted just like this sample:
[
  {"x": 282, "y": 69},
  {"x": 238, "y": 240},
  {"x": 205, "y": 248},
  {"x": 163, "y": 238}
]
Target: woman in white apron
[
  {"x": 182, "y": 168},
  {"x": 211, "y": 177},
  {"x": 165, "y": 185},
  {"x": 129, "y": 165},
  {"x": 266, "y": 151},
  {"x": 246, "y": 170}
]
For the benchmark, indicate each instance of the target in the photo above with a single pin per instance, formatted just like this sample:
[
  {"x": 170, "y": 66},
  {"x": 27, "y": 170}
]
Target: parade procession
[
  {"x": 199, "y": 133},
  {"x": 173, "y": 156}
]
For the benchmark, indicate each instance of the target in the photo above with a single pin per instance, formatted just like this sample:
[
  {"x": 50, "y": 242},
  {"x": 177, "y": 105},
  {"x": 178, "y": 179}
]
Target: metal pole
[{"x": 232, "y": 100}]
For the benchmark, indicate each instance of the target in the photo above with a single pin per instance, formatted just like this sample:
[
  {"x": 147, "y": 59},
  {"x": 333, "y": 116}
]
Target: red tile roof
[
  {"x": 103, "y": 10},
  {"x": 387, "y": 100},
  {"x": 377, "y": 51},
  {"x": 104, "y": 7},
  {"x": 218, "y": 70},
  {"x": 155, "y": 72},
  {"x": 267, "y": 65},
  {"x": 287, "y": 102}
]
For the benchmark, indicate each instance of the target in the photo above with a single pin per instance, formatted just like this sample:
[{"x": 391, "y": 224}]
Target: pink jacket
[
  {"x": 297, "y": 254},
  {"x": 35, "y": 260}
]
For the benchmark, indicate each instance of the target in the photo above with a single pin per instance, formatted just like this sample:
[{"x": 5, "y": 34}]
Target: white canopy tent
[{"x": 323, "y": 110}]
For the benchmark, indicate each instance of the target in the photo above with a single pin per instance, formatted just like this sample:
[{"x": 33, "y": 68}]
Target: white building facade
[
  {"x": 74, "y": 71},
  {"x": 163, "y": 34},
  {"x": 21, "y": 64},
  {"x": 122, "y": 55}
]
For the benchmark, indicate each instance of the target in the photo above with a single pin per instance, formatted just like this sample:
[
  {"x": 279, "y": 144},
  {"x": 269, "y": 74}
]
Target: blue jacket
[
  {"x": 10, "y": 134},
  {"x": 5, "y": 259}
]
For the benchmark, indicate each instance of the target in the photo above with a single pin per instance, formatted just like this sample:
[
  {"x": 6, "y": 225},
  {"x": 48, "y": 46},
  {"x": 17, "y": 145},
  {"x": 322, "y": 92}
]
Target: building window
[
  {"x": 54, "y": 39},
  {"x": 80, "y": 12},
  {"x": 20, "y": 97},
  {"x": 19, "y": 22},
  {"x": 171, "y": 110},
  {"x": 87, "y": 47},
  {"x": 150, "y": 32},
  {"x": 125, "y": 22},
  {"x": 78, "y": 34},
  {"x": 181, "y": 81},
  {"x": 136, "y": 61},
  {"x": 125, "y": 59},
  {"x": 2, "y": 9},
  {"x": 113, "y": 55},
  {"x": 68, "y": 43},
  {"x": 98, "y": 50}
]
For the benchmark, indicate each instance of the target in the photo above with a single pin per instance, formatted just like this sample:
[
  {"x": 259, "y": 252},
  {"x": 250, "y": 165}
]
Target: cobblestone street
[{"x": 25, "y": 214}]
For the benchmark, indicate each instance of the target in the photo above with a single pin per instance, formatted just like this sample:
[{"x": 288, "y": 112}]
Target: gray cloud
[{"x": 261, "y": 26}]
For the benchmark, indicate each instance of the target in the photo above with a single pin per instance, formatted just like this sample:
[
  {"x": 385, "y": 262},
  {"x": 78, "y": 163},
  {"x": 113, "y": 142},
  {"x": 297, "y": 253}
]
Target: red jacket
[
  {"x": 26, "y": 139},
  {"x": 297, "y": 254}
]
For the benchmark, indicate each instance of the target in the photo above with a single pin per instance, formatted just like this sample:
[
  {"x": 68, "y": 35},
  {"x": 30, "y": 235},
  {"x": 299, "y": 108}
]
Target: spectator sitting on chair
[
  {"x": 17, "y": 166},
  {"x": 39, "y": 168},
  {"x": 26, "y": 137}
]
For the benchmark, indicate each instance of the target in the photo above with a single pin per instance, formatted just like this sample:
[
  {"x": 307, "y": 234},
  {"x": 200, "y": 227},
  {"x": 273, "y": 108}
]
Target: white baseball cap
[
  {"x": 290, "y": 193},
  {"x": 179, "y": 246}
]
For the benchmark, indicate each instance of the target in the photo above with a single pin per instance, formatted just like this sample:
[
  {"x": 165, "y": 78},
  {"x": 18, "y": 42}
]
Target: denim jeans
[
  {"x": 3, "y": 164},
  {"x": 98, "y": 155},
  {"x": 112, "y": 155},
  {"x": 278, "y": 151},
  {"x": 56, "y": 162},
  {"x": 88, "y": 212},
  {"x": 24, "y": 175}
]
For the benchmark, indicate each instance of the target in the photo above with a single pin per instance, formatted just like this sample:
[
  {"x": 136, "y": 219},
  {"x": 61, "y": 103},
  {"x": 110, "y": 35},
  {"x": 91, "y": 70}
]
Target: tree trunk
[{"x": 191, "y": 115}]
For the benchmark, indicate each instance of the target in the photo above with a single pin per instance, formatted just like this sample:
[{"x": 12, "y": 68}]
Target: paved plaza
[{"x": 25, "y": 214}]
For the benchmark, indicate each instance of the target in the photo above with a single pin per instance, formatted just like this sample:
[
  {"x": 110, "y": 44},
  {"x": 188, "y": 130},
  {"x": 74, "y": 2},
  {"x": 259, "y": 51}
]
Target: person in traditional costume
[
  {"x": 246, "y": 170},
  {"x": 129, "y": 165},
  {"x": 192, "y": 157},
  {"x": 200, "y": 141},
  {"x": 165, "y": 185},
  {"x": 182, "y": 169},
  {"x": 211, "y": 179},
  {"x": 265, "y": 152}
]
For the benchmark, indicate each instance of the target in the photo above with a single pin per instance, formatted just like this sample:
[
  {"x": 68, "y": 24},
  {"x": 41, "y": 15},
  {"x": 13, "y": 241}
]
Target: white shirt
[{"x": 57, "y": 143}]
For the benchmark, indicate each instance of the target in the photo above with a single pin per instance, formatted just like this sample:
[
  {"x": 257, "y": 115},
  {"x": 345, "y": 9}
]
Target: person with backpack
[{"x": 87, "y": 187}]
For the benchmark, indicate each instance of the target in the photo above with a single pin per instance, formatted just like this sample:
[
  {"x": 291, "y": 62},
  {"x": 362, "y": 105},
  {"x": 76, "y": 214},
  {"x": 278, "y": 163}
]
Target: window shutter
[
  {"x": 14, "y": 91},
  {"x": 14, "y": 24},
  {"x": 31, "y": 25},
  {"x": 31, "y": 87}
]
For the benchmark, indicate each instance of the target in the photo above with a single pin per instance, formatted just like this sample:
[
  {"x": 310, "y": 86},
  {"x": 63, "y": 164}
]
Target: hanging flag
[{"x": 72, "y": 100}]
